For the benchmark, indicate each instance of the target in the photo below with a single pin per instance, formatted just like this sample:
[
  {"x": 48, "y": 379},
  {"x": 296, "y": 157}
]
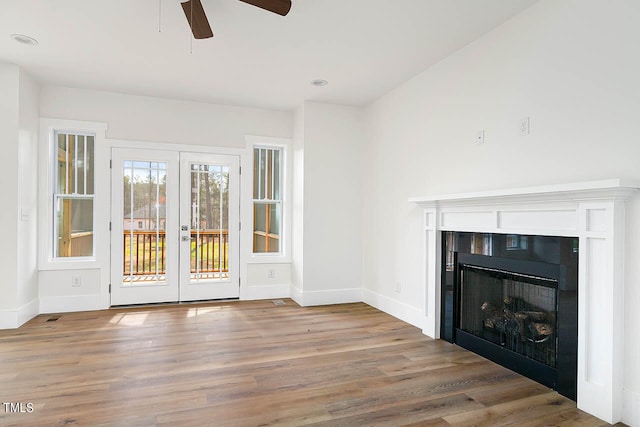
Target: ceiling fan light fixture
[
  {"x": 319, "y": 82},
  {"x": 24, "y": 39}
]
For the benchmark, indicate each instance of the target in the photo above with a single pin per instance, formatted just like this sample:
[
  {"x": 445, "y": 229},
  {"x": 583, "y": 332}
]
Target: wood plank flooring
[{"x": 258, "y": 364}]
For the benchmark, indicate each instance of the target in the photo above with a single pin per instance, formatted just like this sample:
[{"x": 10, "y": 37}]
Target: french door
[{"x": 174, "y": 231}]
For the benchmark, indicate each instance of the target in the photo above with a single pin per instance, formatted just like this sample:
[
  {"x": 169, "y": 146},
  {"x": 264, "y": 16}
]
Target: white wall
[
  {"x": 329, "y": 147},
  {"x": 297, "y": 208},
  {"x": 568, "y": 65},
  {"x": 27, "y": 184},
  {"x": 142, "y": 120},
  {"x": 9, "y": 88},
  {"x": 18, "y": 138}
]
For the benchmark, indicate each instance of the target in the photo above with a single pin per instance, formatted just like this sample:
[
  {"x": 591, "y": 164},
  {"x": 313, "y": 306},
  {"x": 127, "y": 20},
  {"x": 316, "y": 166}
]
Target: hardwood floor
[{"x": 256, "y": 364}]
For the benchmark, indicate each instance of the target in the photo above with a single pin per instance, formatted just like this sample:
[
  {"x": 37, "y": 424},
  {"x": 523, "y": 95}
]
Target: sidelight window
[
  {"x": 73, "y": 195},
  {"x": 267, "y": 200}
]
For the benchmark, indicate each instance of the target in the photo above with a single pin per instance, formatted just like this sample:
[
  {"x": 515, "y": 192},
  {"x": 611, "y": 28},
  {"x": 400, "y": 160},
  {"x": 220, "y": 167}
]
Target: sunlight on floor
[
  {"x": 199, "y": 311},
  {"x": 129, "y": 319}
]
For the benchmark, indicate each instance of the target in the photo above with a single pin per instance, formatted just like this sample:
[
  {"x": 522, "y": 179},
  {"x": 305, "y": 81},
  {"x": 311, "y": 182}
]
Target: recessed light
[
  {"x": 319, "y": 82},
  {"x": 21, "y": 38}
]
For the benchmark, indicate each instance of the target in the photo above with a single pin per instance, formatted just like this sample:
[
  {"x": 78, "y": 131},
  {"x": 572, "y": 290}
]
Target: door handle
[
  {"x": 184, "y": 228},
  {"x": 185, "y": 238}
]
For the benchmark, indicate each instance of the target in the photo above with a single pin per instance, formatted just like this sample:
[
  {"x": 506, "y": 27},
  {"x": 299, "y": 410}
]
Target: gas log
[{"x": 528, "y": 323}]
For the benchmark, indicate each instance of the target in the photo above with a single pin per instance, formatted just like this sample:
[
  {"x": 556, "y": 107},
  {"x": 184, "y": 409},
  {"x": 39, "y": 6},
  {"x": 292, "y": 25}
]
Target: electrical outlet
[
  {"x": 524, "y": 126},
  {"x": 76, "y": 281},
  {"x": 271, "y": 273},
  {"x": 398, "y": 287},
  {"x": 480, "y": 137}
]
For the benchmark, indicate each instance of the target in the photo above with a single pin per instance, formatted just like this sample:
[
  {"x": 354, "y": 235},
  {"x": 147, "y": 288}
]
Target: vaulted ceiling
[{"x": 363, "y": 48}]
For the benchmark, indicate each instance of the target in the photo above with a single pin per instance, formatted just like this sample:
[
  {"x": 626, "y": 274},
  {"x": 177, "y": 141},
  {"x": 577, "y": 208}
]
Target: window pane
[
  {"x": 266, "y": 227},
  {"x": 268, "y": 175},
  {"x": 72, "y": 164},
  {"x": 74, "y": 231},
  {"x": 256, "y": 173},
  {"x": 276, "y": 175},
  {"x": 274, "y": 218},
  {"x": 262, "y": 173},
  {"x": 259, "y": 243},
  {"x": 273, "y": 245},
  {"x": 260, "y": 217},
  {"x": 144, "y": 216},
  {"x": 62, "y": 174},
  {"x": 80, "y": 165},
  {"x": 89, "y": 164},
  {"x": 75, "y": 156}
]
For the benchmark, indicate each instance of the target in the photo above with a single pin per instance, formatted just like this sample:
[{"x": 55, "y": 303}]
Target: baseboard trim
[
  {"x": 630, "y": 408},
  {"x": 69, "y": 304},
  {"x": 11, "y": 319},
  {"x": 296, "y": 295},
  {"x": 395, "y": 308},
  {"x": 333, "y": 296},
  {"x": 269, "y": 291}
]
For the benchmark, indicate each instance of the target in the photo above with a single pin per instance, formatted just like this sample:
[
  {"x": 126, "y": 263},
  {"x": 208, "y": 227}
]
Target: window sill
[
  {"x": 69, "y": 264},
  {"x": 269, "y": 259}
]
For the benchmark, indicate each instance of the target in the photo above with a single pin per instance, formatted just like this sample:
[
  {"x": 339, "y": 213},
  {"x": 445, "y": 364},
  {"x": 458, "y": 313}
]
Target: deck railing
[{"x": 145, "y": 253}]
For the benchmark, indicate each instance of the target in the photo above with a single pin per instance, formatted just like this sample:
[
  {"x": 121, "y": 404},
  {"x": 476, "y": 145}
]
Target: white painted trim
[
  {"x": 268, "y": 292},
  {"x": 286, "y": 145},
  {"x": 333, "y": 296},
  {"x": 631, "y": 408},
  {"x": 11, "y": 319},
  {"x": 296, "y": 295},
  {"x": 71, "y": 303},
  {"x": 588, "y": 189},
  {"x": 28, "y": 311},
  {"x": 398, "y": 309},
  {"x": 168, "y": 146},
  {"x": 46, "y": 154}
]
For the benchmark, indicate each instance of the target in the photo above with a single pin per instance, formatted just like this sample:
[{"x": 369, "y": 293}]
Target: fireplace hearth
[{"x": 514, "y": 300}]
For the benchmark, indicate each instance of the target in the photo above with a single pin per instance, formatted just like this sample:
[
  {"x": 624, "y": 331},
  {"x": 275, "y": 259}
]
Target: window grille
[
  {"x": 267, "y": 200},
  {"x": 73, "y": 195}
]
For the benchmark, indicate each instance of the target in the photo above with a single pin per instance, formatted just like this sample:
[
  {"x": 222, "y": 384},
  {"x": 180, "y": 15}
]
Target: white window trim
[
  {"x": 47, "y": 154},
  {"x": 283, "y": 144}
]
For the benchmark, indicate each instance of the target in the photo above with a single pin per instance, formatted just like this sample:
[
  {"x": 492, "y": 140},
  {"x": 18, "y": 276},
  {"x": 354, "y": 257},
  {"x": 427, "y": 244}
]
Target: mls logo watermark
[{"x": 17, "y": 407}]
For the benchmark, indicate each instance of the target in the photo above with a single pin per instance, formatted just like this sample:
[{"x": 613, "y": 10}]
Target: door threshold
[{"x": 166, "y": 304}]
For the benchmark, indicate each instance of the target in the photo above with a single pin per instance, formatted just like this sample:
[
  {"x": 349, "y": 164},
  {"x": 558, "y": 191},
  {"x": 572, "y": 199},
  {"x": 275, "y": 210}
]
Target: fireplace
[
  {"x": 591, "y": 212},
  {"x": 513, "y": 299}
]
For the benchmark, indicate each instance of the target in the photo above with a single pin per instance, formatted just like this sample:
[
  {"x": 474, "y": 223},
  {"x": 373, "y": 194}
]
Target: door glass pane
[
  {"x": 144, "y": 220},
  {"x": 209, "y": 220}
]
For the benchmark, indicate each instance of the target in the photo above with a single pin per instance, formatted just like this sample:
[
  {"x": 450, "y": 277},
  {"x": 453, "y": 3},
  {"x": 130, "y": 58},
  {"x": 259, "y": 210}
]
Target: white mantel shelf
[
  {"x": 608, "y": 188},
  {"x": 592, "y": 211}
]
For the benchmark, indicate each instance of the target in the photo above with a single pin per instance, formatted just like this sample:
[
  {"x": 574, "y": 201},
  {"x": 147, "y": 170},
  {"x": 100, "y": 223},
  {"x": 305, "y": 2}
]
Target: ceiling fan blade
[
  {"x": 281, "y": 7},
  {"x": 197, "y": 19}
]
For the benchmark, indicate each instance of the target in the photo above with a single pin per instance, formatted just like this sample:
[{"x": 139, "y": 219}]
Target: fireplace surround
[{"x": 594, "y": 213}]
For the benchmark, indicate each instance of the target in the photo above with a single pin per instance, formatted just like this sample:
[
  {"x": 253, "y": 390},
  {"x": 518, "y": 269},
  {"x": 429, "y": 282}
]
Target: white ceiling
[{"x": 364, "y": 48}]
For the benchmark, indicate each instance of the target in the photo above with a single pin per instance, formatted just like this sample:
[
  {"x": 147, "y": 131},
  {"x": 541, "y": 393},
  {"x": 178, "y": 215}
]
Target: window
[
  {"x": 267, "y": 200},
  {"x": 73, "y": 195}
]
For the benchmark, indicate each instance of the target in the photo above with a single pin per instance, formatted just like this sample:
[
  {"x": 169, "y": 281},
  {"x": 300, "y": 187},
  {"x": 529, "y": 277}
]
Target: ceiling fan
[{"x": 199, "y": 23}]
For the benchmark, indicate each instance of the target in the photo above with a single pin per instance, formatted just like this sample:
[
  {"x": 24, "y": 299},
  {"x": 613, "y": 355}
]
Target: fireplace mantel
[{"x": 592, "y": 211}]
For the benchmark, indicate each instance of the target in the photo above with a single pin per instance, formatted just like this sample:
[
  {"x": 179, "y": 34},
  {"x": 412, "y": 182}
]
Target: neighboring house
[{"x": 150, "y": 217}]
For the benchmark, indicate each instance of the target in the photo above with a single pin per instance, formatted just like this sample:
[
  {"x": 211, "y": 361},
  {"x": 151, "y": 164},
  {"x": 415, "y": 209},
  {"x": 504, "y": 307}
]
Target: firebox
[{"x": 513, "y": 299}]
